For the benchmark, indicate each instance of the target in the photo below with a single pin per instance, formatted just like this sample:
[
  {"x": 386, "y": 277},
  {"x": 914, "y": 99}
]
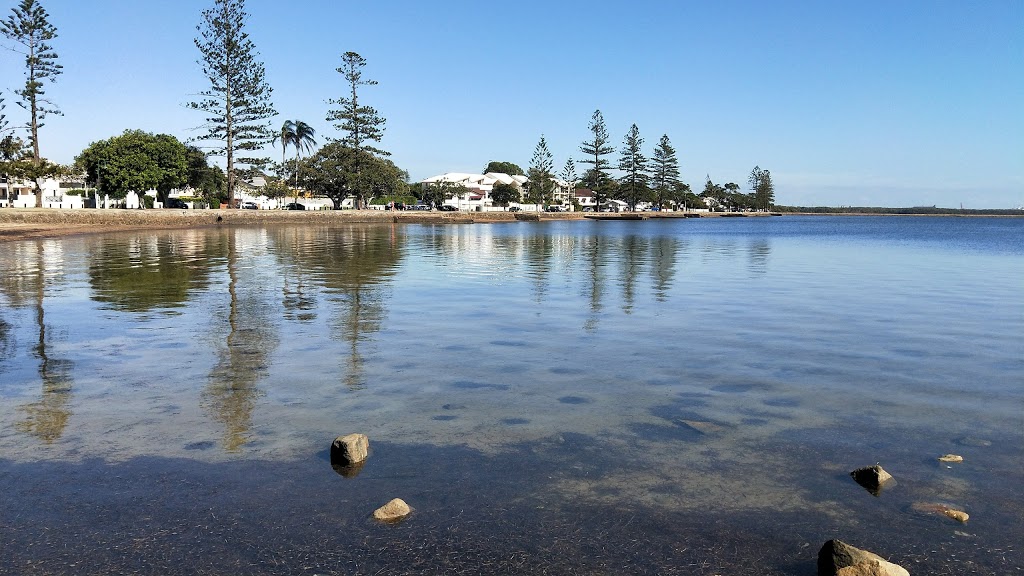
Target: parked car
[
  {"x": 423, "y": 207},
  {"x": 447, "y": 208},
  {"x": 555, "y": 209},
  {"x": 515, "y": 209},
  {"x": 249, "y": 206},
  {"x": 175, "y": 203},
  {"x": 294, "y": 206}
]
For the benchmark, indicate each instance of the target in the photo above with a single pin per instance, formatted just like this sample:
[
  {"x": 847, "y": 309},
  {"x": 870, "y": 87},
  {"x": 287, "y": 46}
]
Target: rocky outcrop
[
  {"x": 951, "y": 458},
  {"x": 393, "y": 511},
  {"x": 873, "y": 478},
  {"x": 836, "y": 556},
  {"x": 349, "y": 450}
]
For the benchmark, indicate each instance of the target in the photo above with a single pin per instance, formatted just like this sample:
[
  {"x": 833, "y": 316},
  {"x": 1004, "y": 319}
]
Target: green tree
[
  {"x": 762, "y": 189},
  {"x": 12, "y": 150},
  {"x": 633, "y": 164},
  {"x": 569, "y": 176},
  {"x": 664, "y": 171},
  {"x": 237, "y": 104},
  {"x": 136, "y": 161},
  {"x": 338, "y": 171},
  {"x": 599, "y": 146},
  {"x": 542, "y": 182},
  {"x": 207, "y": 180},
  {"x": 362, "y": 123},
  {"x": 301, "y": 137},
  {"x": 437, "y": 193},
  {"x": 29, "y": 27},
  {"x": 503, "y": 168},
  {"x": 503, "y": 194}
]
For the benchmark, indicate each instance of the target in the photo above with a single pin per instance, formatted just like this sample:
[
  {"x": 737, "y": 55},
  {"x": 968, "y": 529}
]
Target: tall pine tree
[
  {"x": 29, "y": 27},
  {"x": 664, "y": 171},
  {"x": 762, "y": 189},
  {"x": 599, "y": 146},
  {"x": 633, "y": 164},
  {"x": 362, "y": 123},
  {"x": 237, "y": 104},
  {"x": 540, "y": 174}
]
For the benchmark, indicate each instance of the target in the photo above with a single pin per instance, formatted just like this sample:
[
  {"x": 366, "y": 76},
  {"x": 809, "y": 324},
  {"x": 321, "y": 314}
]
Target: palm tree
[{"x": 301, "y": 137}]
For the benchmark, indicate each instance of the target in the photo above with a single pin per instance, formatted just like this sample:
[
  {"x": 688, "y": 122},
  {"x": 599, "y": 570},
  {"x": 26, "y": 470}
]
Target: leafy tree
[
  {"x": 207, "y": 180},
  {"x": 664, "y": 171},
  {"x": 542, "y": 182},
  {"x": 503, "y": 194},
  {"x": 276, "y": 189},
  {"x": 29, "y": 26},
  {"x": 437, "y": 193},
  {"x": 503, "y": 168},
  {"x": 338, "y": 171},
  {"x": 12, "y": 149},
  {"x": 136, "y": 161},
  {"x": 762, "y": 189},
  {"x": 362, "y": 123},
  {"x": 599, "y": 146},
  {"x": 237, "y": 104},
  {"x": 633, "y": 164}
]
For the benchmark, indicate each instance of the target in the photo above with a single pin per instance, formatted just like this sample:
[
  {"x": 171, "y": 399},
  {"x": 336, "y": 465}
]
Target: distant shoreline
[{"x": 26, "y": 223}]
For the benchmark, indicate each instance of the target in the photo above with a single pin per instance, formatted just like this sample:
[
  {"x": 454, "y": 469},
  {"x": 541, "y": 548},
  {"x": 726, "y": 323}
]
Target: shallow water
[{"x": 570, "y": 397}]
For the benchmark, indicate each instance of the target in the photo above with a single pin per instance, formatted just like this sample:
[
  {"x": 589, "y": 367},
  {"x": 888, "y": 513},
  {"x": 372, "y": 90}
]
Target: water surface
[{"x": 596, "y": 397}]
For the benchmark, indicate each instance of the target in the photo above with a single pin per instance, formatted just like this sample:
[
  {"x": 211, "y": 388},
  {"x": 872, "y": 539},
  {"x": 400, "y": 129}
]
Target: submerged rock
[
  {"x": 836, "y": 556},
  {"x": 702, "y": 426},
  {"x": 393, "y": 511},
  {"x": 939, "y": 508},
  {"x": 973, "y": 441},
  {"x": 873, "y": 478},
  {"x": 349, "y": 450},
  {"x": 951, "y": 458}
]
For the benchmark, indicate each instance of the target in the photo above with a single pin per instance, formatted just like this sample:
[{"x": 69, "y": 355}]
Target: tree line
[
  {"x": 238, "y": 109},
  {"x": 654, "y": 179}
]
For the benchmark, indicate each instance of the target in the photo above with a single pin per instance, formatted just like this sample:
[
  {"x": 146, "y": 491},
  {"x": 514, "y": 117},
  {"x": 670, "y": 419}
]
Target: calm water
[{"x": 562, "y": 397}]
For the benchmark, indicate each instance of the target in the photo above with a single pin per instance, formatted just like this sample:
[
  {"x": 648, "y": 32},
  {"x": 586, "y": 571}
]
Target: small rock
[
  {"x": 873, "y": 478},
  {"x": 348, "y": 450},
  {"x": 393, "y": 511},
  {"x": 836, "y": 555},
  {"x": 951, "y": 458},
  {"x": 938, "y": 508},
  {"x": 958, "y": 515}
]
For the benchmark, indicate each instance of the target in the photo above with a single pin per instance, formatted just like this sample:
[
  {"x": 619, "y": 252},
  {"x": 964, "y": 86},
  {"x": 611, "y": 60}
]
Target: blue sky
[{"x": 858, "y": 103}]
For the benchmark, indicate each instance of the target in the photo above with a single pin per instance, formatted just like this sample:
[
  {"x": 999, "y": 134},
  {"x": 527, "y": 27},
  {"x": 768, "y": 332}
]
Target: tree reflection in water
[
  {"x": 243, "y": 353},
  {"x": 42, "y": 269},
  {"x": 352, "y": 265}
]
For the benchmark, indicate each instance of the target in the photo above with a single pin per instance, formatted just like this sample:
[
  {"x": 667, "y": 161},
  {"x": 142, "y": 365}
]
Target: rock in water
[
  {"x": 939, "y": 508},
  {"x": 392, "y": 511},
  {"x": 836, "y": 555},
  {"x": 873, "y": 478},
  {"x": 872, "y": 568},
  {"x": 951, "y": 458},
  {"x": 349, "y": 450}
]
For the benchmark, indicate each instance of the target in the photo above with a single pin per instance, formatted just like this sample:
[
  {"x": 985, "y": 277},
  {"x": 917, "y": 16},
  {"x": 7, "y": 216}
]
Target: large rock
[
  {"x": 393, "y": 511},
  {"x": 873, "y": 478},
  {"x": 350, "y": 449},
  {"x": 837, "y": 555}
]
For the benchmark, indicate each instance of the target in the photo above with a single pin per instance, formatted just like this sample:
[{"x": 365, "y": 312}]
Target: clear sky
[{"x": 854, "y": 103}]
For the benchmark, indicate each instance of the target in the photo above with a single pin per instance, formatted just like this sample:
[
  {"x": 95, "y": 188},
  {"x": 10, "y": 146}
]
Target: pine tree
[
  {"x": 569, "y": 177},
  {"x": 633, "y": 164},
  {"x": 29, "y": 26},
  {"x": 362, "y": 123},
  {"x": 599, "y": 146},
  {"x": 540, "y": 175},
  {"x": 238, "y": 101},
  {"x": 762, "y": 189},
  {"x": 664, "y": 170}
]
